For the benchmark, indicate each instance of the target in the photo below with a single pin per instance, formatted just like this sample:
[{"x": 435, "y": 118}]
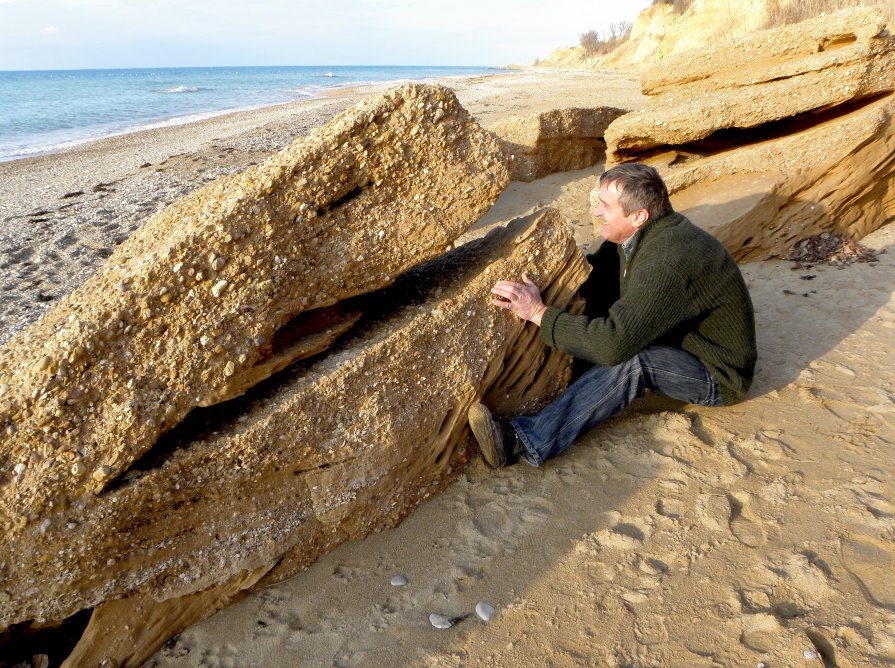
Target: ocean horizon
[{"x": 44, "y": 111}]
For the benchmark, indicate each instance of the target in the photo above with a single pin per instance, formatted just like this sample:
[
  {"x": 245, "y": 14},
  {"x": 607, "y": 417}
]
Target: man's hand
[{"x": 523, "y": 299}]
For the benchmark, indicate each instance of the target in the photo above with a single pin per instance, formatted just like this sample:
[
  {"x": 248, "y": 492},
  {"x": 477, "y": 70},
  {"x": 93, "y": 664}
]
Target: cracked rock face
[
  {"x": 559, "y": 140},
  {"x": 782, "y": 135},
  {"x": 338, "y": 448},
  {"x": 195, "y": 302},
  {"x": 760, "y": 78}
]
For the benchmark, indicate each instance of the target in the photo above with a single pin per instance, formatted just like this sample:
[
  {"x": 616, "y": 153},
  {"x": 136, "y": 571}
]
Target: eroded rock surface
[
  {"x": 780, "y": 136},
  {"x": 337, "y": 449},
  {"x": 769, "y": 76},
  {"x": 194, "y": 301},
  {"x": 760, "y": 199},
  {"x": 559, "y": 140}
]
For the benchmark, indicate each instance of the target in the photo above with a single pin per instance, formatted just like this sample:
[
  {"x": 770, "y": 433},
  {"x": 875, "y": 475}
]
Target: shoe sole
[{"x": 480, "y": 421}]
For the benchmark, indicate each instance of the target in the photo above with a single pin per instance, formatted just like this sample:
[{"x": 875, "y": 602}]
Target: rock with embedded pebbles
[
  {"x": 346, "y": 447},
  {"x": 193, "y": 300}
]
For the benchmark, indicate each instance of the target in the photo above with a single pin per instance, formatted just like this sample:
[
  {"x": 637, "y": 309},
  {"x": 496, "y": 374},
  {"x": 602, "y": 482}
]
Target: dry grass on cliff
[
  {"x": 782, "y": 12},
  {"x": 595, "y": 44}
]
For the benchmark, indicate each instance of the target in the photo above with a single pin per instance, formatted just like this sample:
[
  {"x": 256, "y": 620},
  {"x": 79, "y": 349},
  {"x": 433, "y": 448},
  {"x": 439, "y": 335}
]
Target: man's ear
[{"x": 640, "y": 218}]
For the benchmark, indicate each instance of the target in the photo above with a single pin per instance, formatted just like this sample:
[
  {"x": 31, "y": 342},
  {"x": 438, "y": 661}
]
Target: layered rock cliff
[
  {"x": 775, "y": 137},
  {"x": 660, "y": 31}
]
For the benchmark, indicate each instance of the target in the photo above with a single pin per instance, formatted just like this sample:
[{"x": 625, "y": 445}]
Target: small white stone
[
  {"x": 399, "y": 581},
  {"x": 484, "y": 610},
  {"x": 19, "y": 468},
  {"x": 218, "y": 288},
  {"x": 440, "y": 621},
  {"x": 809, "y": 654}
]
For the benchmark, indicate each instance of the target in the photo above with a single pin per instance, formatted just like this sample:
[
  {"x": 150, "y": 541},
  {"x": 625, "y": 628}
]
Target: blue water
[{"x": 44, "y": 111}]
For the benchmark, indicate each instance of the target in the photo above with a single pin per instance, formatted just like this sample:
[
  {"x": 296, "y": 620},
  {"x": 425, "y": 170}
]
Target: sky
[{"x": 87, "y": 34}]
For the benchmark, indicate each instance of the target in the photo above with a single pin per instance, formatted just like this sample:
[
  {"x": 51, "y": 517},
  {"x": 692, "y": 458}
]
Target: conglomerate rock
[
  {"x": 559, "y": 140},
  {"x": 196, "y": 299},
  {"x": 768, "y": 76},
  {"x": 341, "y": 447}
]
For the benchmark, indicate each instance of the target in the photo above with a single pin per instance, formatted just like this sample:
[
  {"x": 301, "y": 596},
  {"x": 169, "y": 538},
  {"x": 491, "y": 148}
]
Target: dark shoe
[{"x": 489, "y": 433}]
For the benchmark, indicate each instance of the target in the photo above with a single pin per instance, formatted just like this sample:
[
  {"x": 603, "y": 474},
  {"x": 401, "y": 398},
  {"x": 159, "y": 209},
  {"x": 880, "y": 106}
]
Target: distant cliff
[{"x": 659, "y": 31}]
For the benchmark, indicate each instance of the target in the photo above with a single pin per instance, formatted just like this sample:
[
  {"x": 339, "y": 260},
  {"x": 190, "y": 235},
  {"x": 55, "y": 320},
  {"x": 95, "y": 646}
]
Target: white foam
[
  {"x": 17, "y": 152},
  {"x": 181, "y": 89}
]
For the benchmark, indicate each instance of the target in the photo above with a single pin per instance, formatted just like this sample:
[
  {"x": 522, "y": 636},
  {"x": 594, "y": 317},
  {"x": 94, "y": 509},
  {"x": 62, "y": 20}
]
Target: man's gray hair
[{"x": 640, "y": 187}]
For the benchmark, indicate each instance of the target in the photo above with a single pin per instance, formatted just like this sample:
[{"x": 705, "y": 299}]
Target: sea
[{"x": 45, "y": 111}]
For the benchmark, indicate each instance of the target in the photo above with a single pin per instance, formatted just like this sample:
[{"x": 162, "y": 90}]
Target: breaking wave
[{"x": 181, "y": 89}]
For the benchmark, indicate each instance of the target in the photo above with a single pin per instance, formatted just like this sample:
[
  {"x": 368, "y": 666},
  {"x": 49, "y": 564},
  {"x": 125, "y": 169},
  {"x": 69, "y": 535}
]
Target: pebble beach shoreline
[{"x": 61, "y": 215}]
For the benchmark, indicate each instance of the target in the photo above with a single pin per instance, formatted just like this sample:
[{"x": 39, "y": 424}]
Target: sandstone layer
[
  {"x": 777, "y": 137},
  {"x": 760, "y": 199},
  {"x": 340, "y": 448},
  {"x": 772, "y": 75},
  {"x": 659, "y": 31},
  {"x": 560, "y": 140},
  {"x": 196, "y": 300}
]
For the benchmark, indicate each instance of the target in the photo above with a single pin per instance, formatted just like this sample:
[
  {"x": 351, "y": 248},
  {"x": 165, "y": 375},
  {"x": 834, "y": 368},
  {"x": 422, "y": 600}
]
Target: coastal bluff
[
  {"x": 774, "y": 137},
  {"x": 150, "y": 463}
]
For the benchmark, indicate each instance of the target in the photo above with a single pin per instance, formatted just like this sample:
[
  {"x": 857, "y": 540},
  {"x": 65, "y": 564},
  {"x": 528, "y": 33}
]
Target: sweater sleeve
[{"x": 656, "y": 301}]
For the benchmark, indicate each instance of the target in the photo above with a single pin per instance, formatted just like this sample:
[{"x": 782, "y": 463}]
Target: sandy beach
[{"x": 761, "y": 534}]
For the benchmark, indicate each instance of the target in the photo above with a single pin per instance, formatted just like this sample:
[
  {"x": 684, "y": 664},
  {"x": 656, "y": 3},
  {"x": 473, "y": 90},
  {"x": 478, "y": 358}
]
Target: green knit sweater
[{"x": 679, "y": 288}]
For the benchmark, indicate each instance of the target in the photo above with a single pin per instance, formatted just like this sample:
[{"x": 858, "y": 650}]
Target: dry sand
[{"x": 757, "y": 534}]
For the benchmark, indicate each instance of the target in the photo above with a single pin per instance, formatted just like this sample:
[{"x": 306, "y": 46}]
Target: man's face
[{"x": 615, "y": 226}]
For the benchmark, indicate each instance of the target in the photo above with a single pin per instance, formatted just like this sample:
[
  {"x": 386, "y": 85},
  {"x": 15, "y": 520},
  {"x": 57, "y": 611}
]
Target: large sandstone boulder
[
  {"x": 201, "y": 302},
  {"x": 768, "y": 76},
  {"x": 559, "y": 140},
  {"x": 339, "y": 448},
  {"x": 781, "y": 136}
]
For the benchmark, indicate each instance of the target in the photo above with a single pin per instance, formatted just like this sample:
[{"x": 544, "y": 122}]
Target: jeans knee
[{"x": 633, "y": 371}]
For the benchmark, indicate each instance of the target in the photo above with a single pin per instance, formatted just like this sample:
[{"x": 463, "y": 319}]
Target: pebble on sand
[
  {"x": 484, "y": 610},
  {"x": 399, "y": 581},
  {"x": 440, "y": 621}
]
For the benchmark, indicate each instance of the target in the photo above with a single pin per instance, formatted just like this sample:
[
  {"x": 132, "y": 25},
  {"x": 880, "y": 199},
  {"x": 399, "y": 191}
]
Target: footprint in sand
[
  {"x": 345, "y": 573},
  {"x": 651, "y": 630},
  {"x": 747, "y": 528},
  {"x": 872, "y": 564}
]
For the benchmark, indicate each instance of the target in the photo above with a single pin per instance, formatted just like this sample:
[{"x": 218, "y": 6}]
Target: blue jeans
[{"x": 603, "y": 391}]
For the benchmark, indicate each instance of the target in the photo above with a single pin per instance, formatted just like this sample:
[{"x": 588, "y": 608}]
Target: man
[{"x": 666, "y": 309}]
